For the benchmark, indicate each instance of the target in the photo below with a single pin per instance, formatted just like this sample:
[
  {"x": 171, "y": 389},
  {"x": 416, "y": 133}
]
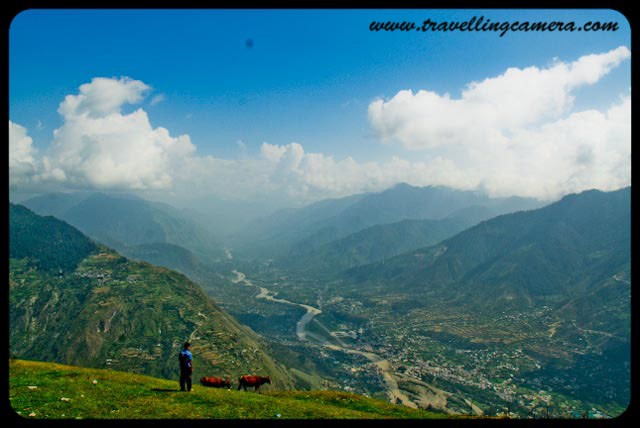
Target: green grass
[{"x": 121, "y": 395}]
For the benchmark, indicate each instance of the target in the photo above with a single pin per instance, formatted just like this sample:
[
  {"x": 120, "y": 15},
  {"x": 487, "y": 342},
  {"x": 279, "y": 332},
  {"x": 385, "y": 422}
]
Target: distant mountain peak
[
  {"x": 402, "y": 185},
  {"x": 590, "y": 193}
]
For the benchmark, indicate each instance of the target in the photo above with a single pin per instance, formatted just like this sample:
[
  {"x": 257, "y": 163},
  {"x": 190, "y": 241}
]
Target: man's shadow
[{"x": 165, "y": 390}]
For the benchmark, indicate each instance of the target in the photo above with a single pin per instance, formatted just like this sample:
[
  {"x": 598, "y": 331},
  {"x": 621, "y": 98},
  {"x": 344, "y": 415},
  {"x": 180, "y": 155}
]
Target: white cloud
[
  {"x": 99, "y": 147},
  {"x": 588, "y": 149},
  {"x": 517, "y": 98},
  {"x": 311, "y": 176},
  {"x": 511, "y": 133},
  {"x": 101, "y": 97},
  {"x": 22, "y": 162},
  {"x": 514, "y": 134},
  {"x": 272, "y": 152}
]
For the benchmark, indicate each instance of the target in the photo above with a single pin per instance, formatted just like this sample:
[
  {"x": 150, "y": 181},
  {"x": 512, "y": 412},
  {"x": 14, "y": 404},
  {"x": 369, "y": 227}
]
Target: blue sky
[{"x": 309, "y": 77}]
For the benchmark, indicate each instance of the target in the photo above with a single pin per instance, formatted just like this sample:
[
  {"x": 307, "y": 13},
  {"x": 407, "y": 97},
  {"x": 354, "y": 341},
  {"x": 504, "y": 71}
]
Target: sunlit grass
[{"x": 70, "y": 392}]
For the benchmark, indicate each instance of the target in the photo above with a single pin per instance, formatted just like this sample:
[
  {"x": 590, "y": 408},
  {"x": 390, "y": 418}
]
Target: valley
[
  {"x": 525, "y": 314},
  {"x": 439, "y": 360},
  {"x": 395, "y": 394}
]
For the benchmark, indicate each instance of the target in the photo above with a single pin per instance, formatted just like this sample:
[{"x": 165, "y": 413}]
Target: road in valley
[{"x": 390, "y": 377}]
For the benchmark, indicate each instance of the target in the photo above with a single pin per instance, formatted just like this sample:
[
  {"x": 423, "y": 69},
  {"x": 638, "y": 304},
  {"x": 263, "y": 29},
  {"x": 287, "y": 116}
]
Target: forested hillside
[{"x": 107, "y": 311}]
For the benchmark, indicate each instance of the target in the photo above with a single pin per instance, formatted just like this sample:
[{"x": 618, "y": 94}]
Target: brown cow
[
  {"x": 215, "y": 382},
  {"x": 256, "y": 381}
]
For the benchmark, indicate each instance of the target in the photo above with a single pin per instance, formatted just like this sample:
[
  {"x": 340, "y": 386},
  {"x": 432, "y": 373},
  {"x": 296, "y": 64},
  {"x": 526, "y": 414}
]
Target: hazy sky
[{"x": 302, "y": 105}]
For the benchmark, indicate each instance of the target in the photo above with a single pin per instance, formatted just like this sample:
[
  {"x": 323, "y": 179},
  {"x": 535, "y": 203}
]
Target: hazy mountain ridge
[
  {"x": 121, "y": 222},
  {"x": 273, "y": 234},
  {"x": 372, "y": 244},
  {"x": 302, "y": 230},
  {"x": 166, "y": 255}
]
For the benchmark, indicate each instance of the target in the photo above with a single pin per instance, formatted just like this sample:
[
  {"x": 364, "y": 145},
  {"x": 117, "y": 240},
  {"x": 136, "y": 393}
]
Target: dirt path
[
  {"x": 604, "y": 333},
  {"x": 477, "y": 410}
]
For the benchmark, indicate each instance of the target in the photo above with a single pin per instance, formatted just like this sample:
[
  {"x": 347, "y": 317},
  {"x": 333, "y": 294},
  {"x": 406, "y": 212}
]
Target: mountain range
[
  {"x": 371, "y": 244},
  {"x": 294, "y": 232},
  {"x": 572, "y": 255}
]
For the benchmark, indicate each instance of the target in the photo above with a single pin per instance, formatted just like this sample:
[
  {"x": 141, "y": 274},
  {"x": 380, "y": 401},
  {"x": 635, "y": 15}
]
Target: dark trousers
[{"x": 185, "y": 377}]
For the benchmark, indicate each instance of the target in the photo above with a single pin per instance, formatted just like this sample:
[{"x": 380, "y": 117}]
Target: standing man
[{"x": 186, "y": 367}]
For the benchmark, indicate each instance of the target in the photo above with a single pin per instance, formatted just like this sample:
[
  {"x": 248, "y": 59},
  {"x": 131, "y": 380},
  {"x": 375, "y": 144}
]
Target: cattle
[
  {"x": 215, "y": 382},
  {"x": 250, "y": 381}
]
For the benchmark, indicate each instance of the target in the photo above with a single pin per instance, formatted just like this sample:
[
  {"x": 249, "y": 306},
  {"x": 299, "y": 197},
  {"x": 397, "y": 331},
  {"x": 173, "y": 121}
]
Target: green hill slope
[
  {"x": 551, "y": 255},
  {"x": 69, "y": 392},
  {"x": 112, "y": 312},
  {"x": 48, "y": 242},
  {"x": 372, "y": 244}
]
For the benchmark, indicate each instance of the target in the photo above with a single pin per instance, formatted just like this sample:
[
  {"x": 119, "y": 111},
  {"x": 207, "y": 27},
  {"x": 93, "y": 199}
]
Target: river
[{"x": 389, "y": 376}]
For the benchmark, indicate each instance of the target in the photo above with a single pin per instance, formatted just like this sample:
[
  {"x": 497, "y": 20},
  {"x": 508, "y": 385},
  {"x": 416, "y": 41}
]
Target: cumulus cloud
[
  {"x": 272, "y": 152},
  {"x": 311, "y": 176},
  {"x": 517, "y": 98},
  {"x": 515, "y": 133},
  {"x": 22, "y": 162},
  {"x": 99, "y": 147},
  {"x": 103, "y": 96}
]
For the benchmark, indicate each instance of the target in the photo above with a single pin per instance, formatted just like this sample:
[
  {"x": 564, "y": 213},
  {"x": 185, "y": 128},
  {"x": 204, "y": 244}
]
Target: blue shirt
[{"x": 185, "y": 358}]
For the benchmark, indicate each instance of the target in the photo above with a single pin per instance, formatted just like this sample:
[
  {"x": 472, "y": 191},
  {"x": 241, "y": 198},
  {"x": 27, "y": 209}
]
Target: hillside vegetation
[
  {"x": 113, "y": 312},
  {"x": 69, "y": 392},
  {"x": 46, "y": 241},
  {"x": 371, "y": 245},
  {"x": 553, "y": 255},
  {"x": 553, "y": 282}
]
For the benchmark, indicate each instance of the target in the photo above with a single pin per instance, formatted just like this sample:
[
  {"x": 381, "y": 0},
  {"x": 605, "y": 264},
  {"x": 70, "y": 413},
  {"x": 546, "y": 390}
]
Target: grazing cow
[
  {"x": 256, "y": 381},
  {"x": 215, "y": 382}
]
